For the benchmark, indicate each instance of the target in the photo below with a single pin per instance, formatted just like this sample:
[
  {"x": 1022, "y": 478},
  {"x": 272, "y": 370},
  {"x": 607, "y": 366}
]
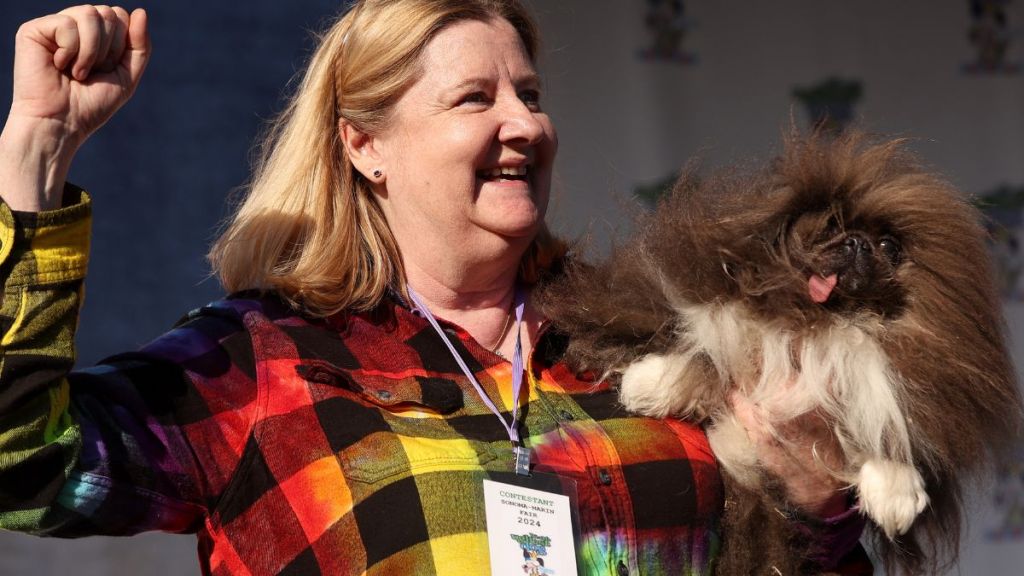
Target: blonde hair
[{"x": 309, "y": 227}]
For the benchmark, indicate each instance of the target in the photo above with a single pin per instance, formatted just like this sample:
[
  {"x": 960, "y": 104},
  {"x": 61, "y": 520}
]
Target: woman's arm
[
  {"x": 84, "y": 453},
  {"x": 130, "y": 444},
  {"x": 802, "y": 455}
]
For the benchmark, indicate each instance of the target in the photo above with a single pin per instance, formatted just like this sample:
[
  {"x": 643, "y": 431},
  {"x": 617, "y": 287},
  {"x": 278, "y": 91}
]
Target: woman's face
[{"x": 468, "y": 153}]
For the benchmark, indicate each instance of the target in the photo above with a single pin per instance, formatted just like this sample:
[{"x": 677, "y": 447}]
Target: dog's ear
[{"x": 613, "y": 312}]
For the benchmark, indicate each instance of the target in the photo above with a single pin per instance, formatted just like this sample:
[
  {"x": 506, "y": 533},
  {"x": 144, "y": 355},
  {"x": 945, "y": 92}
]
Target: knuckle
[
  {"x": 25, "y": 29},
  {"x": 107, "y": 14},
  {"x": 91, "y": 15},
  {"x": 65, "y": 20},
  {"x": 36, "y": 26},
  {"x": 80, "y": 11}
]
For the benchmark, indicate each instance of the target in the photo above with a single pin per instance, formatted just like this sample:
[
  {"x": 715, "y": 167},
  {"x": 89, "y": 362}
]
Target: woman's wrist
[{"x": 35, "y": 156}]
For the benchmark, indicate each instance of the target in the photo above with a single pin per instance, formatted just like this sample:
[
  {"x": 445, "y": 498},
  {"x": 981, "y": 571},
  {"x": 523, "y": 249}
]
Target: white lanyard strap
[{"x": 522, "y": 454}]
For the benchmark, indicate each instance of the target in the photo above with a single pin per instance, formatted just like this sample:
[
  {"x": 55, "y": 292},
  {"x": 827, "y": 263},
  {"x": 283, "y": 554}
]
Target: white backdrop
[
  {"x": 624, "y": 120},
  {"x": 995, "y": 541}
]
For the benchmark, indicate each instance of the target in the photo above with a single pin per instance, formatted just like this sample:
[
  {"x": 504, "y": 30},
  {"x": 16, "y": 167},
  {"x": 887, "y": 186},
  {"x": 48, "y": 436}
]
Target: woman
[{"x": 325, "y": 421}]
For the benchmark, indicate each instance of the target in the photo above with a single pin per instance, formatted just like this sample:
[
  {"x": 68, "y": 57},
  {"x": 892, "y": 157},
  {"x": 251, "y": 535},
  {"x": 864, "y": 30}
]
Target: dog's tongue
[{"x": 821, "y": 288}]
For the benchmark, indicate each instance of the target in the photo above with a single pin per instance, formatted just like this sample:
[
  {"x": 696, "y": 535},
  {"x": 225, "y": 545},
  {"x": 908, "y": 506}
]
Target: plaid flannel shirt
[{"x": 351, "y": 445}]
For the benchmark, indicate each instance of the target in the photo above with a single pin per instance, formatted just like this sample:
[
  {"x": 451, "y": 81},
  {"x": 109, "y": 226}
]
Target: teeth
[{"x": 506, "y": 171}]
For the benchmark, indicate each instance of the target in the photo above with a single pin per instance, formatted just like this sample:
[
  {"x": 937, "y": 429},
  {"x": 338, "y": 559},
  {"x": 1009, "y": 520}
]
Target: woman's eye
[
  {"x": 475, "y": 98},
  {"x": 531, "y": 98}
]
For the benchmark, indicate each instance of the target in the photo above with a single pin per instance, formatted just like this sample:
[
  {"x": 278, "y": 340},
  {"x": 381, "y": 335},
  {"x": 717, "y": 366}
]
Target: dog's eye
[{"x": 890, "y": 249}]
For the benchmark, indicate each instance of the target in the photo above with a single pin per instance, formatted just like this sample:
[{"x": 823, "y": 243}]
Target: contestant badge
[{"x": 529, "y": 531}]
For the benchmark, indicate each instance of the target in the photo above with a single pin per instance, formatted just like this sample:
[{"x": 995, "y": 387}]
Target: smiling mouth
[{"x": 504, "y": 173}]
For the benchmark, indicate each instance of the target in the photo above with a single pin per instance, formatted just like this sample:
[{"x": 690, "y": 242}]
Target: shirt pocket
[{"x": 385, "y": 429}]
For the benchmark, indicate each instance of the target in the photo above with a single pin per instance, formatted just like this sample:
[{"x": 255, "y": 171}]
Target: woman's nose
[{"x": 520, "y": 123}]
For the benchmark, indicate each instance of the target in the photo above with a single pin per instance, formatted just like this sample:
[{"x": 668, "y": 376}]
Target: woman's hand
[
  {"x": 72, "y": 71},
  {"x": 801, "y": 456},
  {"x": 77, "y": 67}
]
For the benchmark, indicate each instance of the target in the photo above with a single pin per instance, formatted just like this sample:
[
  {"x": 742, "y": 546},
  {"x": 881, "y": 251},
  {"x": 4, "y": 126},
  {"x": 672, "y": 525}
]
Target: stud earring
[{"x": 377, "y": 173}]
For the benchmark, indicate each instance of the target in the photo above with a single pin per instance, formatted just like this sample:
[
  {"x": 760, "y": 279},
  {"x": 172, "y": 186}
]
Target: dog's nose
[
  {"x": 850, "y": 246},
  {"x": 855, "y": 244}
]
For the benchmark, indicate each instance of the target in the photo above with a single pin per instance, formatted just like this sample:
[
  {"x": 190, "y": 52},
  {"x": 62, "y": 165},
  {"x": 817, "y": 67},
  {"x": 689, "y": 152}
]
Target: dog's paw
[
  {"x": 650, "y": 387},
  {"x": 892, "y": 494}
]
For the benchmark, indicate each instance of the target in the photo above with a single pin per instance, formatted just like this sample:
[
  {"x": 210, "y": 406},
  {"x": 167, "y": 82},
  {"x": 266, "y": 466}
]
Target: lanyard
[{"x": 522, "y": 453}]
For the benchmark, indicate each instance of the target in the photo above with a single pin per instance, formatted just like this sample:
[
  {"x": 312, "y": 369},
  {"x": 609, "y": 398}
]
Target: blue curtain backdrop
[{"x": 160, "y": 173}]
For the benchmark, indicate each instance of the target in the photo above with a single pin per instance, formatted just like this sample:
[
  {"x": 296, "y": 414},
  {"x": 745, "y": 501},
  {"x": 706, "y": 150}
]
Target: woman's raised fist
[{"x": 77, "y": 67}]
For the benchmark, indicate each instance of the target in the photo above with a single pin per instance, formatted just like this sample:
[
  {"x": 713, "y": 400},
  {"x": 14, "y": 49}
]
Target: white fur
[
  {"x": 852, "y": 380},
  {"x": 838, "y": 370},
  {"x": 892, "y": 494},
  {"x": 734, "y": 451},
  {"x": 653, "y": 386},
  {"x": 720, "y": 332}
]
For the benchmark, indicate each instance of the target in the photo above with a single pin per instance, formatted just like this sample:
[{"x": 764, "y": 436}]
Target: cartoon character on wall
[
  {"x": 990, "y": 35},
  {"x": 649, "y": 194},
  {"x": 1003, "y": 207},
  {"x": 667, "y": 24},
  {"x": 831, "y": 103},
  {"x": 1008, "y": 499}
]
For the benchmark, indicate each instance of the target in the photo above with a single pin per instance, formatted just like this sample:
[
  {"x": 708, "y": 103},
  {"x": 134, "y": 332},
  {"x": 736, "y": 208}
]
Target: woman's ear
[{"x": 363, "y": 152}]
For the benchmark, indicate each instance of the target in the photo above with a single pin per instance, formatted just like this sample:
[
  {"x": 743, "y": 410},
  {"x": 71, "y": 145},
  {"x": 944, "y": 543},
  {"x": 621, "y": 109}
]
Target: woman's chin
[
  {"x": 514, "y": 226},
  {"x": 512, "y": 217}
]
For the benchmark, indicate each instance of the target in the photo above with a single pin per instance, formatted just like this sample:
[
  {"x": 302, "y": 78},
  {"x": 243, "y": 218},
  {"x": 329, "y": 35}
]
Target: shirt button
[
  {"x": 605, "y": 477},
  {"x": 621, "y": 569},
  {"x": 566, "y": 415}
]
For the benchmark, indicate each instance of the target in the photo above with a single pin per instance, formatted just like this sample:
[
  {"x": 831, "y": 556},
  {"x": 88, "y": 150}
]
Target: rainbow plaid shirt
[{"x": 351, "y": 445}]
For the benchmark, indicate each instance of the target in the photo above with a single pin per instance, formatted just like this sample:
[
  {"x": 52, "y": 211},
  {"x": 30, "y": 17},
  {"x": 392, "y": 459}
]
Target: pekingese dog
[{"x": 842, "y": 281}]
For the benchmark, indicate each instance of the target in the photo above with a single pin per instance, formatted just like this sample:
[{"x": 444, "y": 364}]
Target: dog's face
[{"x": 850, "y": 263}]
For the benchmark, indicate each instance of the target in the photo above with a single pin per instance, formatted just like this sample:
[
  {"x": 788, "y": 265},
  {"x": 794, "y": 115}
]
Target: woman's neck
[{"x": 485, "y": 308}]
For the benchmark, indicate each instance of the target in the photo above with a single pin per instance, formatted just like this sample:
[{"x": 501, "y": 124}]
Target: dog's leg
[
  {"x": 663, "y": 385},
  {"x": 892, "y": 494}
]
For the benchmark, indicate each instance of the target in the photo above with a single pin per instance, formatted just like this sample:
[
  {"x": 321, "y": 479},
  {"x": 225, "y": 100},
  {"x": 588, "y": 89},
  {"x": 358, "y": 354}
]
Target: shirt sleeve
[
  {"x": 835, "y": 543},
  {"x": 101, "y": 451}
]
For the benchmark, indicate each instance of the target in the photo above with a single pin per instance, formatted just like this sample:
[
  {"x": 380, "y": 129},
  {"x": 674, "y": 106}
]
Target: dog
[{"x": 842, "y": 280}]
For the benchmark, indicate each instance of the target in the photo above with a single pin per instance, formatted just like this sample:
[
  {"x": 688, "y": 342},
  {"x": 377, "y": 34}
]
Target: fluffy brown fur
[{"x": 745, "y": 250}]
